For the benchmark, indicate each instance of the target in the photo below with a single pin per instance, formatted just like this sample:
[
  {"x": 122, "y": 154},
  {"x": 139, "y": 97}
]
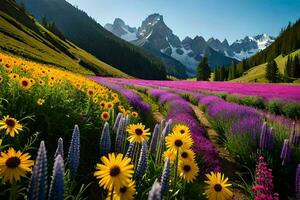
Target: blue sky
[{"x": 231, "y": 19}]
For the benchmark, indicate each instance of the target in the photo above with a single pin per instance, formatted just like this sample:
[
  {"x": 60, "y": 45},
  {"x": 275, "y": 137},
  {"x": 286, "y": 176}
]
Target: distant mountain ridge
[{"x": 189, "y": 51}]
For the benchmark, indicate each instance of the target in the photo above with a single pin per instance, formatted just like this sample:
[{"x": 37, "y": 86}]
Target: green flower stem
[{"x": 175, "y": 174}]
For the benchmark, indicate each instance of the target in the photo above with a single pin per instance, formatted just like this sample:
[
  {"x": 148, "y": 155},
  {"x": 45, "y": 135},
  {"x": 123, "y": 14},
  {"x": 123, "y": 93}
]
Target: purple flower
[
  {"x": 165, "y": 177},
  {"x": 120, "y": 135},
  {"x": 60, "y": 148},
  {"x": 130, "y": 150},
  {"x": 155, "y": 192},
  {"x": 154, "y": 138},
  {"x": 105, "y": 142},
  {"x": 74, "y": 152},
  {"x": 38, "y": 182},
  {"x": 297, "y": 182},
  {"x": 56, "y": 191},
  {"x": 117, "y": 121},
  {"x": 143, "y": 163},
  {"x": 285, "y": 152}
]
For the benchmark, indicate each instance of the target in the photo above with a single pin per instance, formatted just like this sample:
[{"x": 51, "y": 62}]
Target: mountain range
[{"x": 155, "y": 35}]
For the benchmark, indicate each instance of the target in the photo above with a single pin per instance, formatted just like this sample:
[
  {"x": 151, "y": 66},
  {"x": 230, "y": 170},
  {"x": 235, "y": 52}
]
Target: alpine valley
[{"x": 158, "y": 39}]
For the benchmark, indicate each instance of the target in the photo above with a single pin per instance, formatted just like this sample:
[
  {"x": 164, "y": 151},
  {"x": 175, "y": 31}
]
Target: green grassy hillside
[
  {"x": 22, "y": 35},
  {"x": 257, "y": 73}
]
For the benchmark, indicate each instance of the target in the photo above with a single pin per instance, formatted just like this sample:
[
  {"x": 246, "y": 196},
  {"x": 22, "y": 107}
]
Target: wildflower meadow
[{"x": 68, "y": 136}]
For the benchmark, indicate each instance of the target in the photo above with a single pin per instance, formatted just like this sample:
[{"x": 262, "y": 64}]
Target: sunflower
[
  {"x": 102, "y": 104},
  {"x": 11, "y": 125},
  {"x": 14, "y": 76},
  {"x": 170, "y": 154},
  {"x": 25, "y": 83},
  {"x": 125, "y": 192},
  {"x": 188, "y": 170},
  {"x": 41, "y": 82},
  {"x": 135, "y": 114},
  {"x": 180, "y": 128},
  {"x": 14, "y": 164},
  {"x": 105, "y": 116},
  {"x": 40, "y": 101},
  {"x": 109, "y": 105},
  {"x": 137, "y": 132},
  {"x": 187, "y": 154},
  {"x": 217, "y": 187},
  {"x": 178, "y": 142},
  {"x": 115, "y": 171}
]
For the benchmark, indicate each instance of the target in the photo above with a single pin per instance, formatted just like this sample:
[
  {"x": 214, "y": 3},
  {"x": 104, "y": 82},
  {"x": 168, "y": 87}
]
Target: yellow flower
[
  {"x": 125, "y": 192},
  {"x": 8, "y": 67},
  {"x": 41, "y": 82},
  {"x": 137, "y": 133},
  {"x": 180, "y": 128},
  {"x": 102, "y": 104},
  {"x": 14, "y": 165},
  {"x": 178, "y": 142},
  {"x": 170, "y": 154},
  {"x": 217, "y": 187},
  {"x": 187, "y": 154},
  {"x": 40, "y": 101},
  {"x": 109, "y": 105},
  {"x": 105, "y": 116},
  {"x": 116, "y": 171},
  {"x": 135, "y": 114},
  {"x": 11, "y": 125},
  {"x": 188, "y": 170},
  {"x": 25, "y": 83},
  {"x": 14, "y": 76}
]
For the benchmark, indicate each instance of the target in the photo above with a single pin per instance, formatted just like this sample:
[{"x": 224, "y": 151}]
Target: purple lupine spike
[
  {"x": 270, "y": 139},
  {"x": 130, "y": 150},
  {"x": 167, "y": 129},
  {"x": 165, "y": 176},
  {"x": 294, "y": 137},
  {"x": 154, "y": 138},
  {"x": 297, "y": 182},
  {"x": 285, "y": 152},
  {"x": 120, "y": 135},
  {"x": 56, "y": 191},
  {"x": 105, "y": 142},
  {"x": 143, "y": 163},
  {"x": 263, "y": 135},
  {"x": 155, "y": 192},
  {"x": 38, "y": 182},
  {"x": 74, "y": 152},
  {"x": 60, "y": 148},
  {"x": 117, "y": 121}
]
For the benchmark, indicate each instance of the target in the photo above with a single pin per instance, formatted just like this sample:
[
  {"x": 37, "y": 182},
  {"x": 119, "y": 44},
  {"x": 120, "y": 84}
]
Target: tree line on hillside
[
  {"x": 51, "y": 26},
  {"x": 292, "y": 67},
  {"x": 288, "y": 41}
]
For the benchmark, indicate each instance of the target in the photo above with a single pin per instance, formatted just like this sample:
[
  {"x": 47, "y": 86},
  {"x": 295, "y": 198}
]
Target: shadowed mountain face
[{"x": 81, "y": 29}]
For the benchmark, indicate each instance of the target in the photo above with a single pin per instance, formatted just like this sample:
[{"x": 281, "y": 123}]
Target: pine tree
[
  {"x": 44, "y": 22},
  {"x": 296, "y": 67},
  {"x": 234, "y": 71},
  {"x": 288, "y": 68},
  {"x": 203, "y": 70},
  {"x": 272, "y": 72}
]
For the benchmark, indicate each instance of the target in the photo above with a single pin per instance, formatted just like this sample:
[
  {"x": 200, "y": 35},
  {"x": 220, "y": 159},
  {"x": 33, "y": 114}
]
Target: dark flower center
[
  {"x": 138, "y": 131},
  {"x": 114, "y": 171},
  {"x": 187, "y": 168},
  {"x": 184, "y": 155},
  {"x": 90, "y": 92},
  {"x": 182, "y": 131},
  {"x": 123, "y": 189},
  {"x": 218, "y": 187},
  {"x": 24, "y": 83},
  {"x": 178, "y": 143},
  {"x": 10, "y": 123},
  {"x": 13, "y": 162},
  {"x": 105, "y": 115}
]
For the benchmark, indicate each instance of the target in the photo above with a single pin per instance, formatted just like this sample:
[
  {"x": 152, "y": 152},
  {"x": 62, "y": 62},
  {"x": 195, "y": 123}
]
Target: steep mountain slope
[
  {"x": 173, "y": 66},
  {"x": 81, "y": 29},
  {"x": 20, "y": 34},
  {"x": 155, "y": 33},
  {"x": 257, "y": 73}
]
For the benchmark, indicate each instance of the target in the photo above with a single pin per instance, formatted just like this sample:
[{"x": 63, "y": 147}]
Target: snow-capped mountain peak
[{"x": 120, "y": 29}]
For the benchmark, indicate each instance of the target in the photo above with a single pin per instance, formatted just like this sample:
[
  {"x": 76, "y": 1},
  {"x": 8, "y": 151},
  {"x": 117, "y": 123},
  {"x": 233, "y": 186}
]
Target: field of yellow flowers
[{"x": 111, "y": 153}]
